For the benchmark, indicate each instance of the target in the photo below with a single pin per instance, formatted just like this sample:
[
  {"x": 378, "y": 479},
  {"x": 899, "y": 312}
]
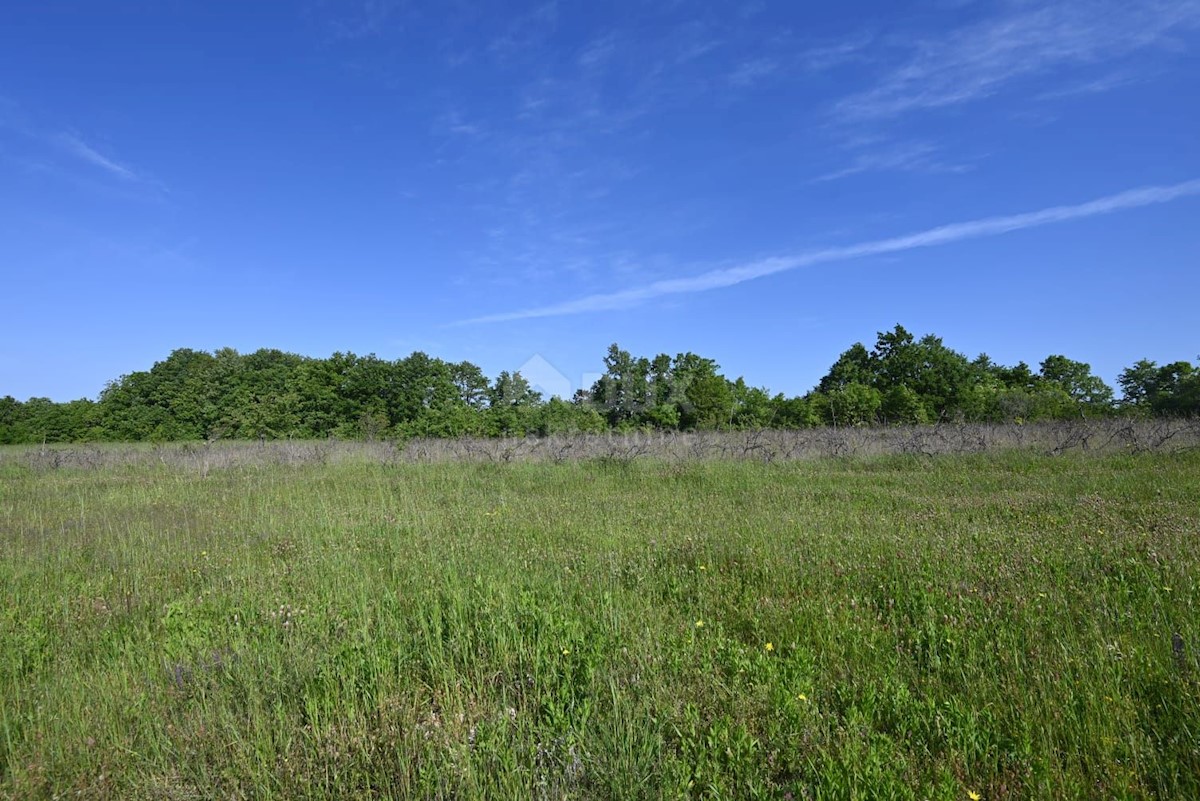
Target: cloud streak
[
  {"x": 980, "y": 60},
  {"x": 78, "y": 148},
  {"x": 897, "y": 157},
  {"x": 942, "y": 235}
]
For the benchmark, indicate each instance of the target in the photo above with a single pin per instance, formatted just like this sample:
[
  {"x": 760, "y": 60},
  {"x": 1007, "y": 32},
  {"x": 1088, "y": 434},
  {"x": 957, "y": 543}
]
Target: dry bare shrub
[{"x": 1101, "y": 435}]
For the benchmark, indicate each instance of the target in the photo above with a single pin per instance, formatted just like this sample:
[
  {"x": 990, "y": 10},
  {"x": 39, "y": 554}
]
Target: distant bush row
[{"x": 269, "y": 394}]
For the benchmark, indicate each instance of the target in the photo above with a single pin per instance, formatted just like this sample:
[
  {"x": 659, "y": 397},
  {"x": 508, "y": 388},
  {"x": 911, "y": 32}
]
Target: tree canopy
[{"x": 269, "y": 394}]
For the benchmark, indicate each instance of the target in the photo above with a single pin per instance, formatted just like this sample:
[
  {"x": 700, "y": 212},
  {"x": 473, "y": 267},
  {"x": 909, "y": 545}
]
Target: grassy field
[{"x": 957, "y": 627}]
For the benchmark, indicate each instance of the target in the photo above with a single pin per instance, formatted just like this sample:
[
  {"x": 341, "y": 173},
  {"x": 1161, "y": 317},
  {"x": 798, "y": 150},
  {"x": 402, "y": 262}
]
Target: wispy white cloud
[
  {"x": 526, "y": 33},
  {"x": 41, "y": 151},
  {"x": 894, "y": 157},
  {"x": 752, "y": 71},
  {"x": 78, "y": 148},
  {"x": 691, "y": 41},
  {"x": 358, "y": 19},
  {"x": 942, "y": 235},
  {"x": 824, "y": 57},
  {"x": 453, "y": 122},
  {"x": 980, "y": 60},
  {"x": 1095, "y": 86},
  {"x": 597, "y": 52},
  {"x": 785, "y": 57}
]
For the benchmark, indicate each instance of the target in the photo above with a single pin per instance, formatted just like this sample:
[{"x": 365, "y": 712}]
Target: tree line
[{"x": 270, "y": 394}]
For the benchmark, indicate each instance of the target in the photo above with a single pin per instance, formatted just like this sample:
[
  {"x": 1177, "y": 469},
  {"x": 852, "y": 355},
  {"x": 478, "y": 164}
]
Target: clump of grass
[{"x": 1003, "y": 626}]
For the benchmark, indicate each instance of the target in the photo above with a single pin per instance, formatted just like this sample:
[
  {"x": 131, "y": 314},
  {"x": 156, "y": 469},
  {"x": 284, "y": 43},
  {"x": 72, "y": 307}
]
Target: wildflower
[
  {"x": 699, "y": 624},
  {"x": 566, "y": 651},
  {"x": 974, "y": 796},
  {"x": 801, "y": 697},
  {"x": 704, "y": 567},
  {"x": 770, "y": 647}
]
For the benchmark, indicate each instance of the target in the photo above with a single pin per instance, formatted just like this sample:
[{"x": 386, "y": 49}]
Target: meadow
[{"x": 999, "y": 625}]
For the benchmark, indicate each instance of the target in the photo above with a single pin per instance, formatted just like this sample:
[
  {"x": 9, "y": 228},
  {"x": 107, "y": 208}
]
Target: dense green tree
[
  {"x": 319, "y": 405},
  {"x": 1177, "y": 390},
  {"x": 795, "y": 412},
  {"x": 473, "y": 388},
  {"x": 916, "y": 380},
  {"x": 623, "y": 393},
  {"x": 556, "y": 416},
  {"x": 854, "y": 366},
  {"x": 1173, "y": 389},
  {"x": 663, "y": 416},
  {"x": 182, "y": 385},
  {"x": 512, "y": 407},
  {"x": 128, "y": 412},
  {"x": 901, "y": 405},
  {"x": 851, "y": 405},
  {"x": 1139, "y": 384},
  {"x": 420, "y": 387},
  {"x": 1020, "y": 376},
  {"x": 12, "y": 429},
  {"x": 699, "y": 392},
  {"x": 752, "y": 407},
  {"x": 43, "y": 420},
  {"x": 708, "y": 403},
  {"x": 269, "y": 394},
  {"x": 1088, "y": 392},
  {"x": 511, "y": 389},
  {"x": 258, "y": 398},
  {"x": 662, "y": 381},
  {"x": 454, "y": 420},
  {"x": 912, "y": 374}
]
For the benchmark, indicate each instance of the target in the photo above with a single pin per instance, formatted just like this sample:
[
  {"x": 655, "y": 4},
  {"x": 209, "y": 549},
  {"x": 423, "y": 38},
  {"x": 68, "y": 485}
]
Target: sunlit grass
[{"x": 899, "y": 627}]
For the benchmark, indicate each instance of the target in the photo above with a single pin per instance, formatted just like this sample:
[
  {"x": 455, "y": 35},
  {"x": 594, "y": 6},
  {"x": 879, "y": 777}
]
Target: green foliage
[
  {"x": 853, "y": 404},
  {"x": 852, "y": 367},
  {"x": 559, "y": 417},
  {"x": 269, "y": 394},
  {"x": 1173, "y": 389},
  {"x": 686, "y": 393},
  {"x": 793, "y": 412},
  {"x": 1088, "y": 393},
  {"x": 924, "y": 381},
  {"x": 902, "y": 405},
  {"x": 708, "y": 402},
  {"x": 665, "y": 416},
  {"x": 916, "y": 381},
  {"x": 752, "y": 407},
  {"x": 623, "y": 393}
]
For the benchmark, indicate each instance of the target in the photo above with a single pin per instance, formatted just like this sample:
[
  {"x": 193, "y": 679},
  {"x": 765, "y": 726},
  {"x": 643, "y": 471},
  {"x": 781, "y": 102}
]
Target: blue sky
[{"x": 761, "y": 183}]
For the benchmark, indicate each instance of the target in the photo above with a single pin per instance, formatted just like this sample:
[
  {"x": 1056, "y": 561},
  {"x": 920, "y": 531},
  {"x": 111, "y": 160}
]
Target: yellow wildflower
[
  {"x": 801, "y": 697},
  {"x": 699, "y": 624},
  {"x": 974, "y": 796},
  {"x": 770, "y": 646}
]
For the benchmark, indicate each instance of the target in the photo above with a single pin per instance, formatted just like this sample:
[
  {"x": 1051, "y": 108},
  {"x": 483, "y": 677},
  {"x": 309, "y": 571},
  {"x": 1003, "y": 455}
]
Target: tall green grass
[{"x": 997, "y": 626}]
